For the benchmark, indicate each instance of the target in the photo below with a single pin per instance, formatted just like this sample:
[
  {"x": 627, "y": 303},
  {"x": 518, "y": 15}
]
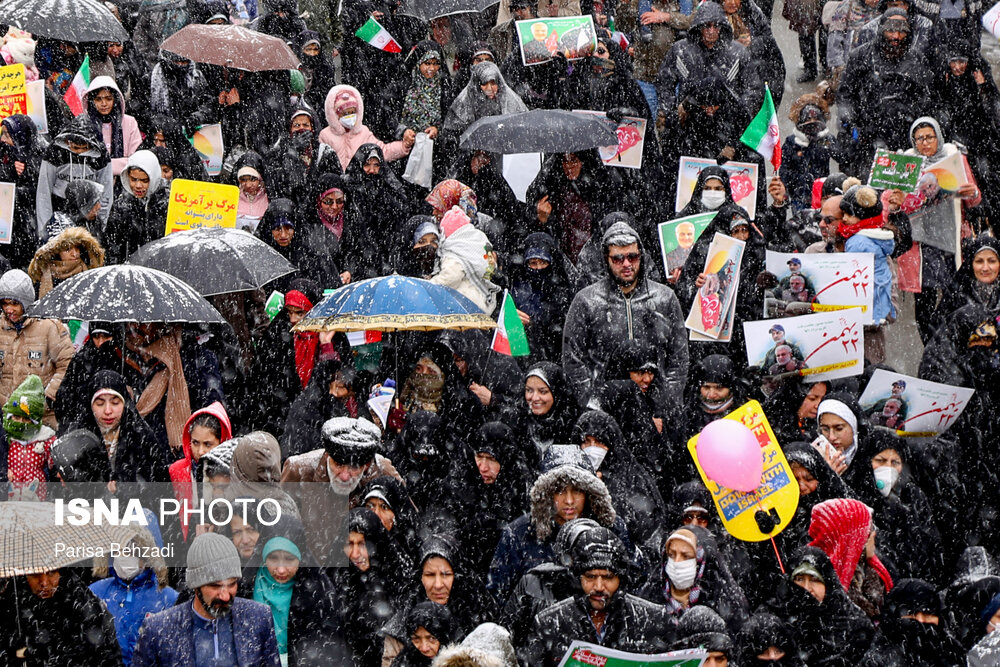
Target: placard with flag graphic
[
  {"x": 373, "y": 33},
  {"x": 77, "y": 88},
  {"x": 509, "y": 337},
  {"x": 762, "y": 132}
]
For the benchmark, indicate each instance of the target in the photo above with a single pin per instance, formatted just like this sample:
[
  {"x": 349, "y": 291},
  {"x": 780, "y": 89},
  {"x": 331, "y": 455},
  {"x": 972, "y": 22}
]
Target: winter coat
[
  {"x": 294, "y": 160},
  {"x": 167, "y": 638},
  {"x": 29, "y": 149},
  {"x": 73, "y": 627},
  {"x": 346, "y": 142},
  {"x": 47, "y": 270},
  {"x": 880, "y": 243},
  {"x": 831, "y": 633},
  {"x": 135, "y": 221},
  {"x": 528, "y": 540},
  {"x": 715, "y": 584},
  {"x": 489, "y": 645},
  {"x": 72, "y": 403},
  {"x": 689, "y": 60},
  {"x": 632, "y": 624},
  {"x": 544, "y": 295},
  {"x": 35, "y": 347},
  {"x": 986, "y": 653},
  {"x": 539, "y": 432},
  {"x": 130, "y": 601},
  {"x": 61, "y": 166},
  {"x": 964, "y": 288},
  {"x": 600, "y": 316},
  {"x": 306, "y": 477},
  {"x": 314, "y": 406},
  {"x": 182, "y": 471},
  {"x": 118, "y": 122}
]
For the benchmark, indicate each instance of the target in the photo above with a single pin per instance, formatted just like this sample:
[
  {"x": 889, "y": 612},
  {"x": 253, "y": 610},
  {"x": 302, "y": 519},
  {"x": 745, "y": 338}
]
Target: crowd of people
[{"x": 434, "y": 501}]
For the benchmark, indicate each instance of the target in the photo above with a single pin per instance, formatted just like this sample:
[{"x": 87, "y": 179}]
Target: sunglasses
[{"x": 632, "y": 257}]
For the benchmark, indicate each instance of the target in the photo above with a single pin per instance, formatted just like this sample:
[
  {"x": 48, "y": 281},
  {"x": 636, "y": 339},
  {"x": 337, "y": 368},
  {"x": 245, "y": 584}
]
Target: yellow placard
[
  {"x": 195, "y": 204},
  {"x": 825, "y": 308},
  {"x": 778, "y": 489},
  {"x": 13, "y": 90}
]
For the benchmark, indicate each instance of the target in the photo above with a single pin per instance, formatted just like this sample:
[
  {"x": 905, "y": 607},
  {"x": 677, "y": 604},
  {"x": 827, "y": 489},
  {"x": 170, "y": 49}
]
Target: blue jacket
[
  {"x": 880, "y": 243},
  {"x": 167, "y": 638},
  {"x": 130, "y": 602}
]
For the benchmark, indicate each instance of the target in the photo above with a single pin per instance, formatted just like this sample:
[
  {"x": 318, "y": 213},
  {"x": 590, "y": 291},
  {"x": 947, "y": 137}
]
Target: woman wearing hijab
[
  {"x": 570, "y": 196},
  {"x": 279, "y": 228},
  {"x": 296, "y": 159},
  {"x": 435, "y": 384},
  {"x": 829, "y": 628},
  {"x": 167, "y": 132},
  {"x": 451, "y": 193},
  {"x": 907, "y": 534},
  {"x": 430, "y": 628},
  {"x": 841, "y": 427},
  {"x": 346, "y": 132},
  {"x": 70, "y": 253},
  {"x": 482, "y": 172},
  {"x": 767, "y": 641},
  {"x": 413, "y": 251},
  {"x": 937, "y": 265},
  {"x": 318, "y": 68},
  {"x": 542, "y": 288},
  {"x": 975, "y": 282},
  {"x": 791, "y": 409},
  {"x": 388, "y": 499},
  {"x": 333, "y": 391},
  {"x": 372, "y": 587},
  {"x": 486, "y": 94},
  {"x": 549, "y": 411},
  {"x": 332, "y": 228},
  {"x": 427, "y": 94},
  {"x": 843, "y": 528},
  {"x": 285, "y": 576},
  {"x": 442, "y": 578},
  {"x": 21, "y": 153},
  {"x": 119, "y": 131}
]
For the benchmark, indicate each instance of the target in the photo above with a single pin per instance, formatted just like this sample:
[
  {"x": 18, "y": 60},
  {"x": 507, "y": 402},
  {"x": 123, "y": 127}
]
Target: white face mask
[
  {"x": 885, "y": 478},
  {"x": 349, "y": 121},
  {"x": 596, "y": 455},
  {"x": 126, "y": 567},
  {"x": 682, "y": 573},
  {"x": 713, "y": 199}
]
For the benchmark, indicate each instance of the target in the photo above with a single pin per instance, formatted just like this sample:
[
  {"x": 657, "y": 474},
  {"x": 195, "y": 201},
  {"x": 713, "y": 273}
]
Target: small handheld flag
[
  {"x": 509, "y": 337},
  {"x": 373, "y": 33},
  {"x": 77, "y": 88},
  {"x": 762, "y": 132}
]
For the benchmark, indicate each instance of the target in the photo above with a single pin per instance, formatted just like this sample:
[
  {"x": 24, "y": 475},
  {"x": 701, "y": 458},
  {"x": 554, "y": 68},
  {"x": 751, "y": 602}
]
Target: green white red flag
[
  {"x": 373, "y": 33},
  {"x": 762, "y": 132},
  {"x": 77, "y": 88},
  {"x": 509, "y": 337}
]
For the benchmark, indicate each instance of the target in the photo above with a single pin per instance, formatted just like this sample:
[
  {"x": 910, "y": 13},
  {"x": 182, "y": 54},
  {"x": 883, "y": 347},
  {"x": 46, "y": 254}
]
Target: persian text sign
[
  {"x": 13, "y": 91},
  {"x": 195, "y": 204}
]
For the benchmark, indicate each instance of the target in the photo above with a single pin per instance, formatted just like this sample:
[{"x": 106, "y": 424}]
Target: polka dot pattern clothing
[{"x": 26, "y": 462}]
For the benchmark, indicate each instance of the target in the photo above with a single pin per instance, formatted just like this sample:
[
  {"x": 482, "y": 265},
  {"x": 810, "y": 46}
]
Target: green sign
[
  {"x": 542, "y": 38},
  {"x": 582, "y": 654},
  {"x": 895, "y": 171},
  {"x": 677, "y": 237},
  {"x": 274, "y": 304}
]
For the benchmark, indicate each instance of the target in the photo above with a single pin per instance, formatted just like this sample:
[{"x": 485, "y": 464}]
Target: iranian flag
[
  {"x": 762, "y": 132},
  {"x": 509, "y": 337},
  {"x": 373, "y": 33},
  {"x": 79, "y": 85}
]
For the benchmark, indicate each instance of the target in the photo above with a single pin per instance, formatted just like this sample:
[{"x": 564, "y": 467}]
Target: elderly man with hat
[
  {"x": 326, "y": 482},
  {"x": 777, "y": 332},
  {"x": 603, "y": 613},
  {"x": 215, "y": 627}
]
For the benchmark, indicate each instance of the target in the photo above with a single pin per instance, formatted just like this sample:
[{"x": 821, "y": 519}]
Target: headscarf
[
  {"x": 256, "y": 471},
  {"x": 927, "y": 121},
  {"x": 840, "y": 527},
  {"x": 842, "y": 410},
  {"x": 470, "y": 247},
  {"x": 334, "y": 224},
  {"x": 450, "y": 193},
  {"x": 278, "y": 596},
  {"x": 114, "y": 119},
  {"x": 170, "y": 383},
  {"x": 472, "y": 104},
  {"x": 422, "y": 102}
]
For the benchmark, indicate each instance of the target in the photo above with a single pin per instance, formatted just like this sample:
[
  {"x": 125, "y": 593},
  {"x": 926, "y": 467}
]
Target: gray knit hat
[
  {"x": 351, "y": 441},
  {"x": 212, "y": 557}
]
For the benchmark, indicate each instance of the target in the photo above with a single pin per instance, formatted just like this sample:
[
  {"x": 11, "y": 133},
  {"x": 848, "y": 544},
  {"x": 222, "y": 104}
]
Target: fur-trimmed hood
[
  {"x": 91, "y": 253},
  {"x": 488, "y": 645},
  {"x": 143, "y": 538},
  {"x": 560, "y": 471}
]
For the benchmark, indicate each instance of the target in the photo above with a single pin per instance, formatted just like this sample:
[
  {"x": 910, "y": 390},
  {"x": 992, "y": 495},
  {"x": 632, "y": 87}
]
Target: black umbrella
[
  {"x": 432, "y": 9},
  {"x": 214, "y": 260},
  {"x": 68, "y": 20},
  {"x": 538, "y": 131},
  {"x": 126, "y": 293}
]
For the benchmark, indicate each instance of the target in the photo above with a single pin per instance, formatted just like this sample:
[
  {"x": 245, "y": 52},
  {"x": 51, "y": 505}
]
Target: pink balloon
[{"x": 730, "y": 455}]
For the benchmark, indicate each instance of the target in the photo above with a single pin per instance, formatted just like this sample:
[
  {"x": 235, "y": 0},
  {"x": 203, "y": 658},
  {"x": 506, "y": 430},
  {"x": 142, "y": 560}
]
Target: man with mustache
[
  {"x": 216, "y": 627},
  {"x": 602, "y": 613}
]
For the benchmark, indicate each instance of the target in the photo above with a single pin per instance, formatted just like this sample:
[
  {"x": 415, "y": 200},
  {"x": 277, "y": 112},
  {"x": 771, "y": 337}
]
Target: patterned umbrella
[
  {"x": 395, "y": 303},
  {"x": 126, "y": 293},
  {"x": 231, "y": 46},
  {"x": 31, "y": 542},
  {"x": 69, "y": 20}
]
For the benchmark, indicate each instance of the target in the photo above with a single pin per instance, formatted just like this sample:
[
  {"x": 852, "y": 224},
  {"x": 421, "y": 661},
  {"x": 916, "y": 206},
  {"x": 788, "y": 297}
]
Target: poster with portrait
[
  {"x": 820, "y": 346},
  {"x": 819, "y": 282},
  {"x": 631, "y": 131},
  {"x": 583, "y": 654},
  {"x": 935, "y": 208},
  {"x": 713, "y": 299},
  {"x": 542, "y": 38},
  {"x": 742, "y": 181},
  {"x": 677, "y": 237},
  {"x": 912, "y": 406}
]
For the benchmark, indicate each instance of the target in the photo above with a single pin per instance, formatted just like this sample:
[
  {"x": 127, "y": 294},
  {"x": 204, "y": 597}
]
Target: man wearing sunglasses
[{"x": 625, "y": 304}]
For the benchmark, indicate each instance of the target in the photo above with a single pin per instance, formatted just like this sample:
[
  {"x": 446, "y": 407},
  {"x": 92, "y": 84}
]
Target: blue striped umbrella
[{"x": 395, "y": 303}]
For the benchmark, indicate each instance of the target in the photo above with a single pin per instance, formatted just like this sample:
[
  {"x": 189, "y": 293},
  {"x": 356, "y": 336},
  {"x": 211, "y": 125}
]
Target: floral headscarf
[
  {"x": 453, "y": 193},
  {"x": 422, "y": 102}
]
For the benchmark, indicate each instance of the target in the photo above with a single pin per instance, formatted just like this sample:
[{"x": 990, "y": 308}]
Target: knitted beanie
[
  {"x": 212, "y": 557},
  {"x": 351, "y": 442},
  {"x": 453, "y": 220},
  {"x": 28, "y": 400},
  {"x": 863, "y": 203}
]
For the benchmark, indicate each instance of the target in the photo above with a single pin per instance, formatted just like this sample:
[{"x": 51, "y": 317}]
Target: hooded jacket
[
  {"x": 346, "y": 142},
  {"x": 600, "y": 316},
  {"x": 136, "y": 221},
  {"x": 120, "y": 132},
  {"x": 48, "y": 269},
  {"x": 182, "y": 470},
  {"x": 486, "y": 646},
  {"x": 689, "y": 60},
  {"x": 39, "y": 347},
  {"x": 61, "y": 166}
]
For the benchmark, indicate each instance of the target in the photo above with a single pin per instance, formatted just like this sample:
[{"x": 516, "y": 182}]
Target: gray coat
[{"x": 601, "y": 316}]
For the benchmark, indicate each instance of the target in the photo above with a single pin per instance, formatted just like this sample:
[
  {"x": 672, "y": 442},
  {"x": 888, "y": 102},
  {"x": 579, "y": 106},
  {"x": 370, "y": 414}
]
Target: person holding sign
[
  {"x": 603, "y": 613},
  {"x": 140, "y": 211}
]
